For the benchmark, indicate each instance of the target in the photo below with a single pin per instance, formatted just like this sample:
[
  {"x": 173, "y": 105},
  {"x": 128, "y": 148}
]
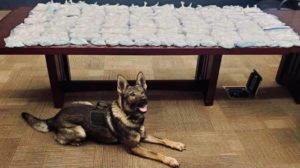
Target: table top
[{"x": 17, "y": 16}]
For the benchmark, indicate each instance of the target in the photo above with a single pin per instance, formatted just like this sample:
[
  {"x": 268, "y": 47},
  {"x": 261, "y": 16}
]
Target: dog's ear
[
  {"x": 140, "y": 80},
  {"x": 122, "y": 84}
]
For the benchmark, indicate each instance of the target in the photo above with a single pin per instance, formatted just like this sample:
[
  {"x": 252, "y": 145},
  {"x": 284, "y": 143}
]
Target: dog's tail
[{"x": 38, "y": 124}]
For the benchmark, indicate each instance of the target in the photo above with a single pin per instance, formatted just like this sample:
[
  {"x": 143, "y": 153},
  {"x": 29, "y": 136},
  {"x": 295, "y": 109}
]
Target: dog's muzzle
[
  {"x": 143, "y": 109},
  {"x": 143, "y": 105}
]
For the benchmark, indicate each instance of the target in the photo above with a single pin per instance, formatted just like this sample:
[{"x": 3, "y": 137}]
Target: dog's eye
[{"x": 132, "y": 94}]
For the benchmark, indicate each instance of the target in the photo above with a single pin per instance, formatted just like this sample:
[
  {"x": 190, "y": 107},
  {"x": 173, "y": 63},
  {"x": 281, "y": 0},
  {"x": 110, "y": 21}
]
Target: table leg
[
  {"x": 58, "y": 71},
  {"x": 208, "y": 67},
  {"x": 201, "y": 67},
  {"x": 288, "y": 74},
  {"x": 285, "y": 61},
  {"x": 66, "y": 67}
]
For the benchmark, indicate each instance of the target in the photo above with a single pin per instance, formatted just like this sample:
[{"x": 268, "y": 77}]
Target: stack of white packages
[
  {"x": 279, "y": 34},
  {"x": 223, "y": 30},
  {"x": 115, "y": 30},
  {"x": 195, "y": 28},
  {"x": 210, "y": 26},
  {"x": 142, "y": 27},
  {"x": 250, "y": 30},
  {"x": 169, "y": 30},
  {"x": 86, "y": 28}
]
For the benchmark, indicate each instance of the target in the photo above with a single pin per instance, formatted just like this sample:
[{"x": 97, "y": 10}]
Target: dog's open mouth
[{"x": 143, "y": 109}]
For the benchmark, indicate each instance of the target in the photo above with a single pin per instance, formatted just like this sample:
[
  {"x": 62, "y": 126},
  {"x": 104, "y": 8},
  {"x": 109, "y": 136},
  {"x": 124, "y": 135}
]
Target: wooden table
[{"x": 207, "y": 70}]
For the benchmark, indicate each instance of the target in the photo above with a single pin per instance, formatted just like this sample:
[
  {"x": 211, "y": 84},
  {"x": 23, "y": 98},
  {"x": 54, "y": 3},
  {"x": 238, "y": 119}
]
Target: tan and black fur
[{"x": 123, "y": 122}]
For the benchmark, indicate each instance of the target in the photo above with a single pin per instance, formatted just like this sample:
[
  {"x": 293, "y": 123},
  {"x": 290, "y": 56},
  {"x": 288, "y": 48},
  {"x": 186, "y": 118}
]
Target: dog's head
[{"x": 133, "y": 99}]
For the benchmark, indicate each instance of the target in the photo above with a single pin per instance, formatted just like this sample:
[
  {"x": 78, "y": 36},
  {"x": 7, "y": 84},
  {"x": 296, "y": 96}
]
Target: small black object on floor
[{"x": 248, "y": 91}]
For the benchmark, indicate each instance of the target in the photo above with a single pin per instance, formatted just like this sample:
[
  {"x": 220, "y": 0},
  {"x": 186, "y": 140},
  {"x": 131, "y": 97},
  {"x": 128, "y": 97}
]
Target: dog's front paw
[
  {"x": 178, "y": 145},
  {"x": 172, "y": 162}
]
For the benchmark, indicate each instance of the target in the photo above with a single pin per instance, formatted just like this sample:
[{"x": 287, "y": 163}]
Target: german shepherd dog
[{"x": 121, "y": 121}]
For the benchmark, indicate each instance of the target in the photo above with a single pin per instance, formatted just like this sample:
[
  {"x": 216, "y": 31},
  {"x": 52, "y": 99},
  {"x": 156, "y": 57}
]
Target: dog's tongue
[{"x": 143, "y": 109}]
